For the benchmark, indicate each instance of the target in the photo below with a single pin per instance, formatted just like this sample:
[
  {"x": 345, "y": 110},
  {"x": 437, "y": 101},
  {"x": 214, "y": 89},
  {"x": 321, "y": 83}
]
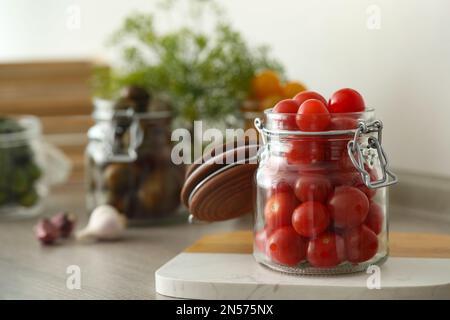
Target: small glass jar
[
  {"x": 28, "y": 166},
  {"x": 129, "y": 164},
  {"x": 321, "y": 201}
]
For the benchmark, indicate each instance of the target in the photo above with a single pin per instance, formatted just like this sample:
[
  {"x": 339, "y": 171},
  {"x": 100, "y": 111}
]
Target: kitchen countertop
[{"x": 122, "y": 269}]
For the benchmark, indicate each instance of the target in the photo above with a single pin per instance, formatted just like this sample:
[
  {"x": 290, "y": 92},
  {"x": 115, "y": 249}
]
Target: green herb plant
[{"x": 205, "y": 72}]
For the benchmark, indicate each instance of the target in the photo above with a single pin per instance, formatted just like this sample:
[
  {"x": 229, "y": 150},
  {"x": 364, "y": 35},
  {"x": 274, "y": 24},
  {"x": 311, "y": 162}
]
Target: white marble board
[{"x": 238, "y": 276}]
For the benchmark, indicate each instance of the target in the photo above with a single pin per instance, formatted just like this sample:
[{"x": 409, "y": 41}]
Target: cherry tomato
[
  {"x": 313, "y": 188},
  {"x": 290, "y": 108},
  {"x": 374, "y": 220},
  {"x": 335, "y": 149},
  {"x": 337, "y": 145},
  {"x": 344, "y": 161},
  {"x": 370, "y": 193},
  {"x": 346, "y": 100},
  {"x": 319, "y": 168},
  {"x": 305, "y": 151},
  {"x": 285, "y": 246},
  {"x": 306, "y": 95},
  {"x": 361, "y": 244},
  {"x": 350, "y": 178},
  {"x": 310, "y": 219},
  {"x": 280, "y": 186},
  {"x": 342, "y": 123},
  {"x": 348, "y": 207},
  {"x": 261, "y": 239},
  {"x": 278, "y": 210},
  {"x": 313, "y": 115},
  {"x": 327, "y": 250}
]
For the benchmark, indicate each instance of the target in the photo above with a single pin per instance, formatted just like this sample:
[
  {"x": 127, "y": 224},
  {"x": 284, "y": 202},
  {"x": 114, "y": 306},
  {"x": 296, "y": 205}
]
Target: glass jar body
[
  {"x": 138, "y": 179},
  {"x": 22, "y": 187},
  {"x": 314, "y": 214}
]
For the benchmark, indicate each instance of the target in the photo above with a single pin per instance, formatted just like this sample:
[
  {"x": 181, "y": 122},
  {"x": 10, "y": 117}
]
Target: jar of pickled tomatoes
[{"x": 321, "y": 200}]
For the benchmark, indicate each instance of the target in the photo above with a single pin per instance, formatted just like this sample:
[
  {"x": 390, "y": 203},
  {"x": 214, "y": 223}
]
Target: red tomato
[
  {"x": 337, "y": 145},
  {"x": 346, "y": 178},
  {"x": 361, "y": 244},
  {"x": 370, "y": 193},
  {"x": 348, "y": 207},
  {"x": 286, "y": 106},
  {"x": 346, "y": 100},
  {"x": 280, "y": 186},
  {"x": 306, "y": 95},
  {"x": 345, "y": 162},
  {"x": 320, "y": 168},
  {"x": 310, "y": 219},
  {"x": 313, "y": 115},
  {"x": 290, "y": 108},
  {"x": 336, "y": 149},
  {"x": 305, "y": 151},
  {"x": 278, "y": 210},
  {"x": 375, "y": 217},
  {"x": 327, "y": 250},
  {"x": 342, "y": 123},
  {"x": 312, "y": 188},
  {"x": 261, "y": 240},
  {"x": 285, "y": 246}
]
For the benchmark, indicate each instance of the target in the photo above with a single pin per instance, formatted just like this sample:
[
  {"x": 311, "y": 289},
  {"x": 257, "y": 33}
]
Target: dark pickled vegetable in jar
[{"x": 128, "y": 160}]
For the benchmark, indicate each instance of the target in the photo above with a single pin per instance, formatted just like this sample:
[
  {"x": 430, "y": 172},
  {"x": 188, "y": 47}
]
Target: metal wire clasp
[
  {"x": 131, "y": 124},
  {"x": 355, "y": 152}
]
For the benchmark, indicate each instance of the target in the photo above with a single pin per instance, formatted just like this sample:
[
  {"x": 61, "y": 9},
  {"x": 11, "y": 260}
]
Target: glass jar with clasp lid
[
  {"x": 129, "y": 164},
  {"x": 321, "y": 200}
]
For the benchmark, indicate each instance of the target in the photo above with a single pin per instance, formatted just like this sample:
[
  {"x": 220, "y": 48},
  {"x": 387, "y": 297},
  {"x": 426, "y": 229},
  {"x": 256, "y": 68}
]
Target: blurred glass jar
[
  {"x": 129, "y": 164},
  {"x": 28, "y": 166}
]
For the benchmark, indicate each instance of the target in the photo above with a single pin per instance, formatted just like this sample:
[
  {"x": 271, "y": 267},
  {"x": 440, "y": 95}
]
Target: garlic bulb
[{"x": 105, "y": 223}]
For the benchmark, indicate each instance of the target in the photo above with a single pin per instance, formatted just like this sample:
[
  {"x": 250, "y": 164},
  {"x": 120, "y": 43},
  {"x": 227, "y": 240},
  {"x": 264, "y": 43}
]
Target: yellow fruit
[
  {"x": 266, "y": 84},
  {"x": 270, "y": 102},
  {"x": 291, "y": 88}
]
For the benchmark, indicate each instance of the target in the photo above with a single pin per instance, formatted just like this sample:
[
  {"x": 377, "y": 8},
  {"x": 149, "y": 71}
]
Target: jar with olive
[
  {"x": 28, "y": 167},
  {"x": 128, "y": 158}
]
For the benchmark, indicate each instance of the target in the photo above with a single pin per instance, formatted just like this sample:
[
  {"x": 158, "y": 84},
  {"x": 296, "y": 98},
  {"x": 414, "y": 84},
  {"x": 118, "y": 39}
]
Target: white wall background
[{"x": 402, "y": 69}]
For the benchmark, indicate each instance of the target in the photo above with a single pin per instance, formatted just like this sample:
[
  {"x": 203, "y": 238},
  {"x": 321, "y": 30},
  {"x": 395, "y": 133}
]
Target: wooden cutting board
[
  {"x": 221, "y": 266},
  {"x": 414, "y": 245}
]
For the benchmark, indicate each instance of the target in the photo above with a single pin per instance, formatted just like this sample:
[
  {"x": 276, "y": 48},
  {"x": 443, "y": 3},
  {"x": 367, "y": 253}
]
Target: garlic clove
[{"x": 105, "y": 223}]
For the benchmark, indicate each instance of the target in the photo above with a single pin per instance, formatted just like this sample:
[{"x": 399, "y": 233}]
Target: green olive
[
  {"x": 33, "y": 171},
  {"x": 29, "y": 199},
  {"x": 20, "y": 181}
]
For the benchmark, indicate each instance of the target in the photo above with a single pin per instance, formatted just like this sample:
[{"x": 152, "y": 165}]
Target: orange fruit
[
  {"x": 266, "y": 84},
  {"x": 270, "y": 102},
  {"x": 291, "y": 88}
]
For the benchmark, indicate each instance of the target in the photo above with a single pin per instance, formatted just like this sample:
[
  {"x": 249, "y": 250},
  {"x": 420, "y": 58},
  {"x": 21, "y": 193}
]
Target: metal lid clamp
[
  {"x": 359, "y": 152},
  {"x": 131, "y": 124}
]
